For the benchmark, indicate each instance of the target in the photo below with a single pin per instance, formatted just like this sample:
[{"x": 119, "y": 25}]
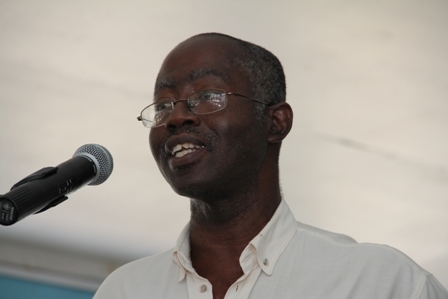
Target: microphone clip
[{"x": 38, "y": 175}]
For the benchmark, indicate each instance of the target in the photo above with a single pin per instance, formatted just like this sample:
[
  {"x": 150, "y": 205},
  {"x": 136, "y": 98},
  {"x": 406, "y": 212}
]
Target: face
[{"x": 210, "y": 155}]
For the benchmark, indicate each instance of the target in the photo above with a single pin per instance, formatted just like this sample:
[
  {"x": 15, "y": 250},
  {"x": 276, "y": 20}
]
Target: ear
[{"x": 280, "y": 123}]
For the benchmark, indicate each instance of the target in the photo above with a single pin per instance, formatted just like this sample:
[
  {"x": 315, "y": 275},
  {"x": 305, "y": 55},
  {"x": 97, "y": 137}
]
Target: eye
[
  {"x": 206, "y": 95},
  {"x": 161, "y": 106},
  {"x": 160, "y": 110},
  {"x": 203, "y": 98},
  {"x": 210, "y": 95},
  {"x": 207, "y": 101}
]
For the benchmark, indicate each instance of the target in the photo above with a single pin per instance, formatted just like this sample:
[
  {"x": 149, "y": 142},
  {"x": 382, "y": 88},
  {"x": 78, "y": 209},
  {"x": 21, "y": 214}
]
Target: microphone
[{"x": 91, "y": 164}]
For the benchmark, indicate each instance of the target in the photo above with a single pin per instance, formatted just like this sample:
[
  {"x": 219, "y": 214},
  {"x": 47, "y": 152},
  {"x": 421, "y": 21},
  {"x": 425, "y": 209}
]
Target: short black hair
[{"x": 263, "y": 68}]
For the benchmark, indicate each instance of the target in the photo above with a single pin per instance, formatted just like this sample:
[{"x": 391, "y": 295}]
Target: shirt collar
[
  {"x": 181, "y": 253},
  {"x": 273, "y": 238},
  {"x": 266, "y": 247}
]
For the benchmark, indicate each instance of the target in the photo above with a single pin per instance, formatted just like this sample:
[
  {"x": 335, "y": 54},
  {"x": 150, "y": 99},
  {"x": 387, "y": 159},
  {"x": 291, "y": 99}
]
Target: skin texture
[{"x": 232, "y": 176}]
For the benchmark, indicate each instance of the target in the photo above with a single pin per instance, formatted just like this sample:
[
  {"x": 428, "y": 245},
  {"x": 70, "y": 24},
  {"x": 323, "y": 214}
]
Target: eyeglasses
[{"x": 202, "y": 102}]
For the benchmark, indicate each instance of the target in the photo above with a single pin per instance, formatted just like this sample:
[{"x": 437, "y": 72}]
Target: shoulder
[
  {"x": 146, "y": 264},
  {"x": 348, "y": 269},
  {"x": 372, "y": 266},
  {"x": 324, "y": 235},
  {"x": 339, "y": 245},
  {"x": 139, "y": 277}
]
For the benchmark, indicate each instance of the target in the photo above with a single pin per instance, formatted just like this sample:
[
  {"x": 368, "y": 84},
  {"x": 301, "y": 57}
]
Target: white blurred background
[{"x": 367, "y": 156}]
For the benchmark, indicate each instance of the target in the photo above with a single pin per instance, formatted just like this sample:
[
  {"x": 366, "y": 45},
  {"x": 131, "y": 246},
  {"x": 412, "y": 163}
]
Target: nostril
[
  {"x": 181, "y": 115},
  {"x": 170, "y": 125}
]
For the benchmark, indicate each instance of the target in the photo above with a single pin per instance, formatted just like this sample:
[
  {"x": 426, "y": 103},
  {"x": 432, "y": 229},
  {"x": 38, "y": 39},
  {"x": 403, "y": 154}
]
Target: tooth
[
  {"x": 184, "y": 152},
  {"x": 181, "y": 150},
  {"x": 180, "y": 154},
  {"x": 176, "y": 148}
]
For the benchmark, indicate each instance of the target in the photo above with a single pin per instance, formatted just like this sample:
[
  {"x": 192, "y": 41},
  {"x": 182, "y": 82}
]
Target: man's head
[
  {"x": 230, "y": 150},
  {"x": 263, "y": 69}
]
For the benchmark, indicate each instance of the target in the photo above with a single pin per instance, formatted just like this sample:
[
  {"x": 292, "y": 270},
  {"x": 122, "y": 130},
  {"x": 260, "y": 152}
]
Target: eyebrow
[
  {"x": 194, "y": 75},
  {"x": 164, "y": 83}
]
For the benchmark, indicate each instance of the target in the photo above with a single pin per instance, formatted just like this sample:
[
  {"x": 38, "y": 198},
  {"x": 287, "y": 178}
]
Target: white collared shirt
[{"x": 286, "y": 259}]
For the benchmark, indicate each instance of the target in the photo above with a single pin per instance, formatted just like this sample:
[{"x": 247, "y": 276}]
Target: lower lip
[{"x": 190, "y": 158}]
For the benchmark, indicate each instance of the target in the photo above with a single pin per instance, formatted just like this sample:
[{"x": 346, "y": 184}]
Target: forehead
[
  {"x": 198, "y": 58},
  {"x": 172, "y": 81}
]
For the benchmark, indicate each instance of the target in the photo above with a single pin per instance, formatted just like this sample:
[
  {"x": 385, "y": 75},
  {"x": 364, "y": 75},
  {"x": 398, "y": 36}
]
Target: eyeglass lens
[{"x": 204, "y": 102}]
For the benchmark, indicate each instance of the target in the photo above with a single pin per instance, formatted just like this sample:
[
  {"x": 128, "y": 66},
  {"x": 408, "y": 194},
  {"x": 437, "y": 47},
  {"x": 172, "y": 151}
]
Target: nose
[{"x": 181, "y": 115}]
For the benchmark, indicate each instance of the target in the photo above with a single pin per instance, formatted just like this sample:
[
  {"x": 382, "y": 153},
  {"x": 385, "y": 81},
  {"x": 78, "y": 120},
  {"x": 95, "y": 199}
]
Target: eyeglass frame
[{"x": 174, "y": 102}]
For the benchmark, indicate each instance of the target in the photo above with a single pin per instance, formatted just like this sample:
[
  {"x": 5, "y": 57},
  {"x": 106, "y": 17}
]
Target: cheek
[
  {"x": 244, "y": 142},
  {"x": 154, "y": 144}
]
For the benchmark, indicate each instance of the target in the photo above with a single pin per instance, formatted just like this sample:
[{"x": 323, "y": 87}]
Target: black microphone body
[{"x": 49, "y": 186}]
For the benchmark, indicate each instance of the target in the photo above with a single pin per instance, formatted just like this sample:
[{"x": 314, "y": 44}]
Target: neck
[
  {"x": 220, "y": 230},
  {"x": 241, "y": 213},
  {"x": 223, "y": 223},
  {"x": 234, "y": 216},
  {"x": 227, "y": 228}
]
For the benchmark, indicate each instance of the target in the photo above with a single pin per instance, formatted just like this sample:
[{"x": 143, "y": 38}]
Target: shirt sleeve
[{"x": 433, "y": 289}]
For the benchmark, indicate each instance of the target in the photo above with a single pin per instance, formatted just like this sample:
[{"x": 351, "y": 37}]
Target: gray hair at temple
[{"x": 263, "y": 69}]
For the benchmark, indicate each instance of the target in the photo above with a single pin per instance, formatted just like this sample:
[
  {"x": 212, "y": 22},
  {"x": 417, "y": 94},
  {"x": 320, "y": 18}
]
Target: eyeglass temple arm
[{"x": 241, "y": 95}]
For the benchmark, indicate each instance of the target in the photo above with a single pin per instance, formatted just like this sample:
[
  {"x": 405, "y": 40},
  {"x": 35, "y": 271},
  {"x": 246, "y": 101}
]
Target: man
[{"x": 217, "y": 122}]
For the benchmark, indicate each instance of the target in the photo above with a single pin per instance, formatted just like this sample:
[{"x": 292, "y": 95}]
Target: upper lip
[{"x": 173, "y": 141}]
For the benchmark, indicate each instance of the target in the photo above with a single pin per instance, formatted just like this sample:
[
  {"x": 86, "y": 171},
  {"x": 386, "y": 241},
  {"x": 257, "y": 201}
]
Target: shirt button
[
  {"x": 265, "y": 262},
  {"x": 203, "y": 288}
]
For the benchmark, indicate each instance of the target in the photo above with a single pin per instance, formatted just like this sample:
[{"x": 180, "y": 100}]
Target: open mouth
[{"x": 183, "y": 149}]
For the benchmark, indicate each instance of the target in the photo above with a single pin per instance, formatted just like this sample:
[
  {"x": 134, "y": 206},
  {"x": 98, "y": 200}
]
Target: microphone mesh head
[{"x": 102, "y": 159}]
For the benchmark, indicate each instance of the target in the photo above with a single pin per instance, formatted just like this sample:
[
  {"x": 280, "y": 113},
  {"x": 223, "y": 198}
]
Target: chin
[
  {"x": 188, "y": 190},
  {"x": 197, "y": 190}
]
